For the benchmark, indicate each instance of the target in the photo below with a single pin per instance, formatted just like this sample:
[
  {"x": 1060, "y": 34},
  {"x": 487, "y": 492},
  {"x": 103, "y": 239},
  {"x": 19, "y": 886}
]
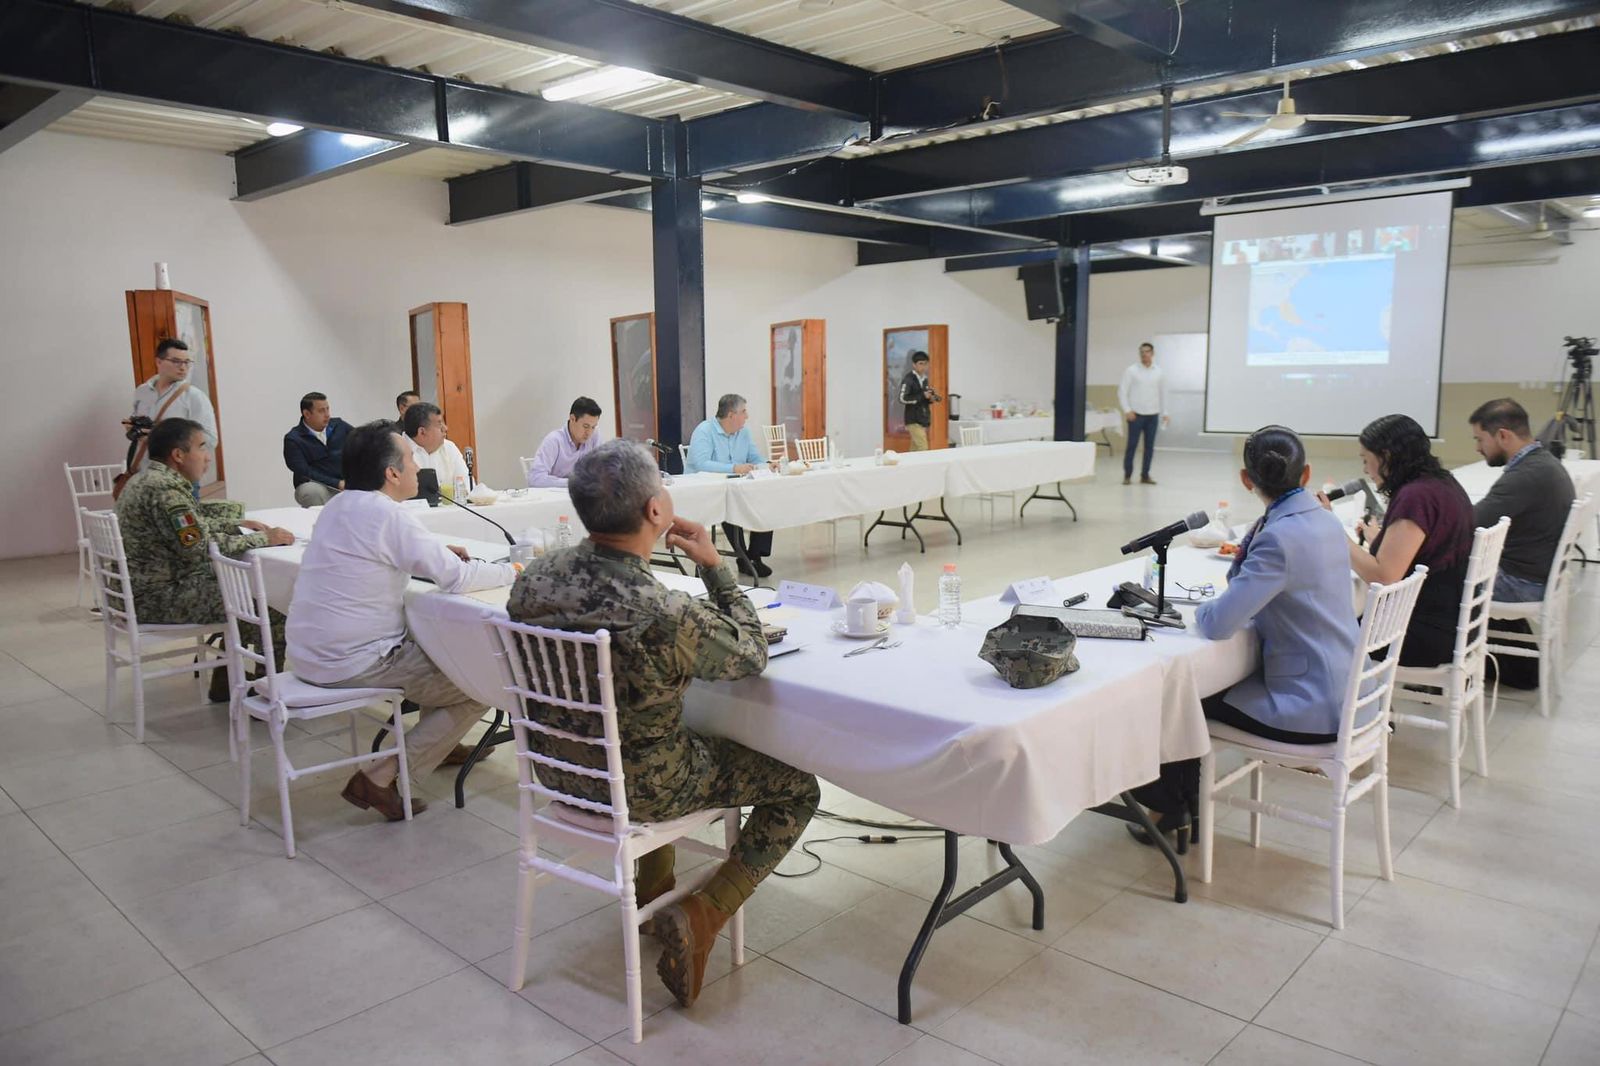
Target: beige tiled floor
[{"x": 139, "y": 923}]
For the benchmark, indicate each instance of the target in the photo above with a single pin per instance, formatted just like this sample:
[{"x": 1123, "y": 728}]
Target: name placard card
[
  {"x": 799, "y": 594},
  {"x": 1034, "y": 590}
]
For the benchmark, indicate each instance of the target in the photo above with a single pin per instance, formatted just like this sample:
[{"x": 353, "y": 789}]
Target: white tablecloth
[
  {"x": 928, "y": 728},
  {"x": 1007, "y": 430},
  {"x": 857, "y": 486}
]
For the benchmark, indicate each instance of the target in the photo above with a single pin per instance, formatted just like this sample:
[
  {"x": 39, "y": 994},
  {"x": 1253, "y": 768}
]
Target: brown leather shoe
[
  {"x": 458, "y": 755},
  {"x": 687, "y": 931},
  {"x": 1147, "y": 480},
  {"x": 386, "y": 801}
]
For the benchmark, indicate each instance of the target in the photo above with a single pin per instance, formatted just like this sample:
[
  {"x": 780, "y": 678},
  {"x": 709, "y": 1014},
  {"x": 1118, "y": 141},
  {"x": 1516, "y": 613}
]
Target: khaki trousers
[
  {"x": 447, "y": 713},
  {"x": 919, "y": 436}
]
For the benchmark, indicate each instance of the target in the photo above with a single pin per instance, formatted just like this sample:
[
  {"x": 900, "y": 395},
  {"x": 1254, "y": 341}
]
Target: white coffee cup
[{"x": 861, "y": 615}]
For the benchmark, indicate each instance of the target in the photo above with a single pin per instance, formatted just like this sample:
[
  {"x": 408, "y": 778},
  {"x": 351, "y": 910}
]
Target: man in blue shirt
[{"x": 722, "y": 445}]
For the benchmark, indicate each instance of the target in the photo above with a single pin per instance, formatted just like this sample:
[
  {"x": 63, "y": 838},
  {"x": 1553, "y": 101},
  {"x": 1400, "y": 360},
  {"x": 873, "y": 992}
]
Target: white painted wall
[{"x": 310, "y": 290}]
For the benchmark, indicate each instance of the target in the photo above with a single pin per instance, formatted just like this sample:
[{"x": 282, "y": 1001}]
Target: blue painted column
[
  {"x": 1072, "y": 342},
  {"x": 678, "y": 242}
]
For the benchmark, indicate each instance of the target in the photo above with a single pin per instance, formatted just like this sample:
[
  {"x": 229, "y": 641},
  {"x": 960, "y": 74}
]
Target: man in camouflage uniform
[
  {"x": 166, "y": 534},
  {"x": 661, "y": 640}
]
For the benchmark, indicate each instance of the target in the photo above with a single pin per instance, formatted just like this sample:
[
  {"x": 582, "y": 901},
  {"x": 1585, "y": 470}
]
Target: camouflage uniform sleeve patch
[{"x": 187, "y": 525}]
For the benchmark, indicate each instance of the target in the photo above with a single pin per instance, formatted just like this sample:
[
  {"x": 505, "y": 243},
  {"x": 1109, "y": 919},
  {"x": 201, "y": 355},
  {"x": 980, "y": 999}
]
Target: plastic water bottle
[
  {"x": 564, "y": 537},
  {"x": 950, "y": 597},
  {"x": 1152, "y": 572},
  {"x": 1221, "y": 519},
  {"x": 460, "y": 487}
]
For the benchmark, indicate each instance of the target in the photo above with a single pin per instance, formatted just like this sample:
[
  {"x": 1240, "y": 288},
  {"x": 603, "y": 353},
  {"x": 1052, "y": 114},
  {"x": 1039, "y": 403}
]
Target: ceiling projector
[{"x": 1169, "y": 174}]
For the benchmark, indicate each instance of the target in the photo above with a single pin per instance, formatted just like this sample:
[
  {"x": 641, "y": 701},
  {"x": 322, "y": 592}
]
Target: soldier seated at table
[
  {"x": 347, "y": 618},
  {"x": 166, "y": 535},
  {"x": 661, "y": 640}
]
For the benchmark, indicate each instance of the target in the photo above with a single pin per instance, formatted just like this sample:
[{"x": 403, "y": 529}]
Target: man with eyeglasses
[{"x": 150, "y": 400}]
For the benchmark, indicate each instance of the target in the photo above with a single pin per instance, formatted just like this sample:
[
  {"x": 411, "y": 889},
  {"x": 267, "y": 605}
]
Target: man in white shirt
[
  {"x": 431, "y": 447},
  {"x": 172, "y": 372},
  {"x": 347, "y": 621},
  {"x": 553, "y": 462},
  {"x": 1142, "y": 395}
]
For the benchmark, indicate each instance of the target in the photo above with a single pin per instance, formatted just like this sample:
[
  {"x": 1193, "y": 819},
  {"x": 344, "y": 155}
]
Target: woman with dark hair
[
  {"x": 1291, "y": 578},
  {"x": 1429, "y": 522}
]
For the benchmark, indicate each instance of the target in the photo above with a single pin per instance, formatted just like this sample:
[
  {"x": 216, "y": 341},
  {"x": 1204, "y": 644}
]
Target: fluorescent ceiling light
[
  {"x": 748, "y": 197},
  {"x": 1539, "y": 142},
  {"x": 356, "y": 140},
  {"x": 1174, "y": 248},
  {"x": 1593, "y": 212},
  {"x": 706, "y": 204},
  {"x": 282, "y": 129},
  {"x": 615, "y": 80}
]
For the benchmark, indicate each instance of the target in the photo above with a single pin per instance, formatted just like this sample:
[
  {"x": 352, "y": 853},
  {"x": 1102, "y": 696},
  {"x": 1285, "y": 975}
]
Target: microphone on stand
[
  {"x": 1165, "y": 534},
  {"x": 472, "y": 472},
  {"x": 474, "y": 511},
  {"x": 428, "y": 489}
]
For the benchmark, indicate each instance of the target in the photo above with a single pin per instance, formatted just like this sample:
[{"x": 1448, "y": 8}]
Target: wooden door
[
  {"x": 898, "y": 344},
  {"x": 157, "y": 314},
  {"x": 633, "y": 377},
  {"x": 799, "y": 378},
  {"x": 441, "y": 369}
]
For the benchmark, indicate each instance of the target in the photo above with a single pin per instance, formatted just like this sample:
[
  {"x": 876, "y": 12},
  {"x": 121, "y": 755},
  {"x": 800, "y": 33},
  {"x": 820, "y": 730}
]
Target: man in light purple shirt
[{"x": 552, "y": 464}]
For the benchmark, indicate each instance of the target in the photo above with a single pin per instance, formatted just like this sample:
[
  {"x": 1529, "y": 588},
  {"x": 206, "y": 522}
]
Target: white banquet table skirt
[
  {"x": 821, "y": 495},
  {"x": 1008, "y": 467},
  {"x": 1008, "y": 430}
]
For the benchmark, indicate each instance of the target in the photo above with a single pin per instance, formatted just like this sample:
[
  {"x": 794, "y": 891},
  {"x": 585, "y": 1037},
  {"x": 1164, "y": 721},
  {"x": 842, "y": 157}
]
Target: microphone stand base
[{"x": 1169, "y": 618}]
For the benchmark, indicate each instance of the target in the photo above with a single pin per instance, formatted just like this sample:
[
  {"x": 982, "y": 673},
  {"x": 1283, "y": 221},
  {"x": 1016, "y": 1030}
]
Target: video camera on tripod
[{"x": 1574, "y": 419}]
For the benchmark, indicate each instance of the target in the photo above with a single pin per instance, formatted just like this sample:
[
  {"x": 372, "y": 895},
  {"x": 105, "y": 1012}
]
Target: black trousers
[
  {"x": 1177, "y": 790},
  {"x": 759, "y": 545}
]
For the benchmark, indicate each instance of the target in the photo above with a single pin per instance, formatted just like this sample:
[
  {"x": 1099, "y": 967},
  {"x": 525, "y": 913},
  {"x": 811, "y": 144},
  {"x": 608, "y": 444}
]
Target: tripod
[{"x": 1575, "y": 419}]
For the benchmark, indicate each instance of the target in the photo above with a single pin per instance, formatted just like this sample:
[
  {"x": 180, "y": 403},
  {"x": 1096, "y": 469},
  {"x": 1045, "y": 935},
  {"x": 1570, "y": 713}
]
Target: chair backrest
[
  {"x": 87, "y": 482},
  {"x": 244, "y": 599},
  {"x": 1483, "y": 562},
  {"x": 109, "y": 564},
  {"x": 527, "y": 465},
  {"x": 812, "y": 449},
  {"x": 971, "y": 436},
  {"x": 1561, "y": 566},
  {"x": 562, "y": 677},
  {"x": 1383, "y": 629},
  {"x": 777, "y": 442}
]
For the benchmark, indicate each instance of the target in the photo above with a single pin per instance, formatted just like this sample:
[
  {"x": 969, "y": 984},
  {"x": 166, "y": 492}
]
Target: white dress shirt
[
  {"x": 447, "y": 462},
  {"x": 348, "y": 609},
  {"x": 192, "y": 404},
  {"x": 1143, "y": 390}
]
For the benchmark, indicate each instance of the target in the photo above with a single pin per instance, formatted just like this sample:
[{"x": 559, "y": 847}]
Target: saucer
[{"x": 880, "y": 629}]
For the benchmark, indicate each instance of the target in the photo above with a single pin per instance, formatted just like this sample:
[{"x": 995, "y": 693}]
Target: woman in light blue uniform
[{"x": 1291, "y": 578}]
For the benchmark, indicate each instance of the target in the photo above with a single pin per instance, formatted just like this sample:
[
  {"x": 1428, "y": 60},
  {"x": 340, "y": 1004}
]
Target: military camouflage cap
[{"x": 1030, "y": 651}]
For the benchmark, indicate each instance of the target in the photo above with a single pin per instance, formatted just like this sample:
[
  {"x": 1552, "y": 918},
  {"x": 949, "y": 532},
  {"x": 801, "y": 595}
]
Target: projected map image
[{"x": 1328, "y": 312}]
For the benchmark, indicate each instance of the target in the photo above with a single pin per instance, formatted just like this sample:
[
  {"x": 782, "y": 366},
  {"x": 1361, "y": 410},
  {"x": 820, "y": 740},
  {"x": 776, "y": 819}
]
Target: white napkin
[
  {"x": 877, "y": 590},
  {"x": 482, "y": 495},
  {"x": 908, "y": 611}
]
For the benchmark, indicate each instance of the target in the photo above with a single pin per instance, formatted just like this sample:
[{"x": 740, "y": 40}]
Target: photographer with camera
[{"x": 167, "y": 395}]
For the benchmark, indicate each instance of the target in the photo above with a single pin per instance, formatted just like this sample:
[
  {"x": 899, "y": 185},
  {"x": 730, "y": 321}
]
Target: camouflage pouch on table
[{"x": 1030, "y": 651}]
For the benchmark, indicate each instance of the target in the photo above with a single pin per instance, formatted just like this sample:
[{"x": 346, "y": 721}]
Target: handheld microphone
[
  {"x": 1349, "y": 488},
  {"x": 474, "y": 511},
  {"x": 1165, "y": 534}
]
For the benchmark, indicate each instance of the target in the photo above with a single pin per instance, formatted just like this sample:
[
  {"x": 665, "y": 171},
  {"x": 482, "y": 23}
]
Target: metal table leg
[
  {"x": 908, "y": 523},
  {"x": 944, "y": 908},
  {"x": 1059, "y": 497},
  {"x": 1131, "y": 810}
]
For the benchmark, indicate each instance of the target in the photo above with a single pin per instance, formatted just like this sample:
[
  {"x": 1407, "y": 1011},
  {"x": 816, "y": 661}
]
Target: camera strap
[{"x": 144, "y": 442}]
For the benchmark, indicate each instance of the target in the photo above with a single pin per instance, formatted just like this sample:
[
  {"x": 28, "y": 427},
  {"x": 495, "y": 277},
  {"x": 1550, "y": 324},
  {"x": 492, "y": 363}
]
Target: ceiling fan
[{"x": 1287, "y": 118}]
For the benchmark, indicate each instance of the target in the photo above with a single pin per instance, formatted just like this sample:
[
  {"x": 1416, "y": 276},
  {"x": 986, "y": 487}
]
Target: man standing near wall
[
  {"x": 917, "y": 394},
  {"x": 1142, "y": 395},
  {"x": 172, "y": 372}
]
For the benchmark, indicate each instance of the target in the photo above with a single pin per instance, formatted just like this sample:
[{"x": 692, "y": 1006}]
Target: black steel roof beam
[
  {"x": 658, "y": 42},
  {"x": 1061, "y": 71},
  {"x": 996, "y": 260},
  {"x": 1558, "y": 68},
  {"x": 59, "y": 44},
  {"x": 763, "y": 134},
  {"x": 1143, "y": 29},
  {"x": 1398, "y": 152},
  {"x": 279, "y": 164},
  {"x": 27, "y": 109},
  {"x": 519, "y": 187}
]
